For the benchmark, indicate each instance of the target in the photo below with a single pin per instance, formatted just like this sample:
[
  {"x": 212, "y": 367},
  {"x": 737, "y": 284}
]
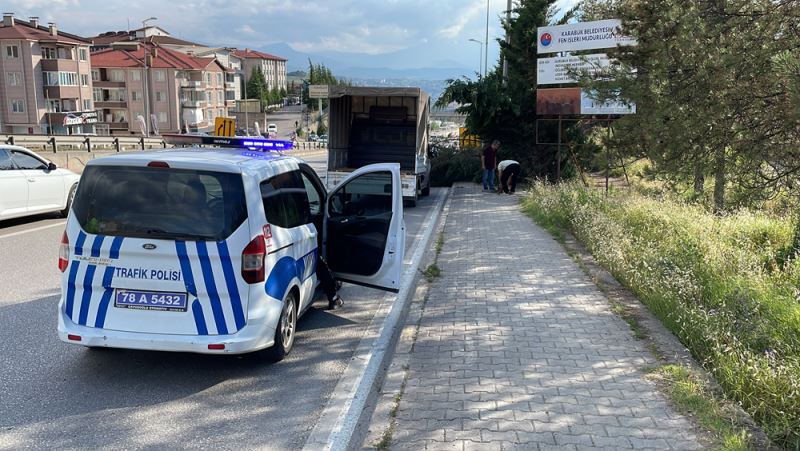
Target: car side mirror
[{"x": 51, "y": 166}]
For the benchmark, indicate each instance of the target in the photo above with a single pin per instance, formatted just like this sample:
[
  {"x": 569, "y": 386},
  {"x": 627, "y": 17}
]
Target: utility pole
[
  {"x": 146, "y": 54},
  {"x": 486, "y": 49},
  {"x": 480, "y": 56},
  {"x": 508, "y": 41}
]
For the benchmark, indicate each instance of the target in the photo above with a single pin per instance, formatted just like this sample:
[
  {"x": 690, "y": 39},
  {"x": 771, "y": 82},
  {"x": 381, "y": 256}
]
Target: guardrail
[
  {"x": 55, "y": 143},
  {"x": 62, "y": 143}
]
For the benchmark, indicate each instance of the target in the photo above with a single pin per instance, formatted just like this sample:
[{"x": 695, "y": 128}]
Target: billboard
[
  {"x": 552, "y": 71},
  {"x": 591, "y": 106},
  {"x": 79, "y": 118},
  {"x": 600, "y": 34},
  {"x": 558, "y": 101}
]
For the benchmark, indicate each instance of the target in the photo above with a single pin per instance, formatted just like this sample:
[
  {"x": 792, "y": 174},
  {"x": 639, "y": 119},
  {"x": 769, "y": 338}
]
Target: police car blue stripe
[
  {"x": 188, "y": 281},
  {"x": 211, "y": 288},
  {"x": 115, "y": 247},
  {"x": 79, "y": 243},
  {"x": 73, "y": 274},
  {"x": 199, "y": 318},
  {"x": 97, "y": 245},
  {"x": 108, "y": 276},
  {"x": 230, "y": 282},
  {"x": 87, "y": 294}
]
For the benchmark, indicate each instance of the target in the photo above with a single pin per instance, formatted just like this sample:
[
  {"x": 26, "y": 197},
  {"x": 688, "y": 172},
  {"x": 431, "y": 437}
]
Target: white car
[
  {"x": 272, "y": 129},
  {"x": 216, "y": 250},
  {"x": 33, "y": 185}
]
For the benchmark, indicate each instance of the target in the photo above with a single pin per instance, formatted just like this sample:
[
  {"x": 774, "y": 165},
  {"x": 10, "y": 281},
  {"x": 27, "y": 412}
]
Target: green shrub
[
  {"x": 723, "y": 284},
  {"x": 452, "y": 165}
]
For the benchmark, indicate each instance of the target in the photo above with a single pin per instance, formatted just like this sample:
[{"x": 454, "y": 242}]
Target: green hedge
[
  {"x": 451, "y": 165},
  {"x": 722, "y": 284}
]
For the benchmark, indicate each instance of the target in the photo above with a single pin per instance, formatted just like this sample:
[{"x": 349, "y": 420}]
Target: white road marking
[
  {"x": 36, "y": 229},
  {"x": 339, "y": 419}
]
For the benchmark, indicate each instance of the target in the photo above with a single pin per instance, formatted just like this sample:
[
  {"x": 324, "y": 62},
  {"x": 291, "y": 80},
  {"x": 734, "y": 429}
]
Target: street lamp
[
  {"x": 480, "y": 55},
  {"x": 146, "y": 80},
  {"x": 486, "y": 49}
]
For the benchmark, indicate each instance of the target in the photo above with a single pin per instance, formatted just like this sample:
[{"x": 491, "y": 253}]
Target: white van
[{"x": 215, "y": 250}]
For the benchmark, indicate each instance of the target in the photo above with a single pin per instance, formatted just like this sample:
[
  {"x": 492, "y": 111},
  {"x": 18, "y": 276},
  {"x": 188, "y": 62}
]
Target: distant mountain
[{"x": 409, "y": 63}]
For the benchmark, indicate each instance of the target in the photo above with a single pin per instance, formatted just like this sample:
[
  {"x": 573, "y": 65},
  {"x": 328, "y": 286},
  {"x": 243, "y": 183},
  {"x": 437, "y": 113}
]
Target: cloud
[{"x": 454, "y": 30}]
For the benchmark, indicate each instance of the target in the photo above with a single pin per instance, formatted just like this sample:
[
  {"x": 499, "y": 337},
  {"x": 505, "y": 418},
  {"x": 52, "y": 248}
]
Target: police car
[{"x": 214, "y": 250}]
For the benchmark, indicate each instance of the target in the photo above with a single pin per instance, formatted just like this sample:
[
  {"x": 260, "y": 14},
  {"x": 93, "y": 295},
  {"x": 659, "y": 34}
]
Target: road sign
[
  {"x": 318, "y": 91},
  {"x": 467, "y": 141},
  {"x": 225, "y": 126},
  {"x": 600, "y": 34},
  {"x": 552, "y": 71}
]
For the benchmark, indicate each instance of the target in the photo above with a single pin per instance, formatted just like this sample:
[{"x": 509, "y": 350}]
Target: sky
[{"x": 440, "y": 28}]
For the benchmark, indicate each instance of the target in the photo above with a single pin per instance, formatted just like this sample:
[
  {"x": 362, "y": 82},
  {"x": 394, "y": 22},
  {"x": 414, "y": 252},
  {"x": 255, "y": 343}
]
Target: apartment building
[
  {"x": 273, "y": 67},
  {"x": 178, "y": 92},
  {"x": 46, "y": 84}
]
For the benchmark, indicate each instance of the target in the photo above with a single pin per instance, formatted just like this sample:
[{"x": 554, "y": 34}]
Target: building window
[
  {"x": 221, "y": 113},
  {"x": 219, "y": 79},
  {"x": 48, "y": 53},
  {"x": 219, "y": 97},
  {"x": 17, "y": 106},
  {"x": 136, "y": 75},
  {"x": 66, "y": 53},
  {"x": 12, "y": 51},
  {"x": 95, "y": 74},
  {"x": 117, "y": 75},
  {"x": 14, "y": 78},
  {"x": 68, "y": 79},
  {"x": 136, "y": 96},
  {"x": 159, "y": 75},
  {"x": 208, "y": 79},
  {"x": 161, "y": 96},
  {"x": 53, "y": 106},
  {"x": 50, "y": 78},
  {"x": 210, "y": 115},
  {"x": 87, "y": 105},
  {"x": 97, "y": 95},
  {"x": 162, "y": 117},
  {"x": 84, "y": 80},
  {"x": 83, "y": 54}
]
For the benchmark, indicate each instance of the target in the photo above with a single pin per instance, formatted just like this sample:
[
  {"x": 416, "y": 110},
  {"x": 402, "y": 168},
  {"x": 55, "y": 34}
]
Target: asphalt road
[{"x": 59, "y": 396}]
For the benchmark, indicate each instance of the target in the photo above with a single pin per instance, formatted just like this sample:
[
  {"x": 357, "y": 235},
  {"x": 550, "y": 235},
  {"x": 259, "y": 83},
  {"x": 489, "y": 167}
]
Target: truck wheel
[{"x": 426, "y": 191}]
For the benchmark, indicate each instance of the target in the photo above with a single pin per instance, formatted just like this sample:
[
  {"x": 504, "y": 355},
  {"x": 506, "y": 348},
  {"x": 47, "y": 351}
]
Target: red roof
[
  {"x": 165, "y": 58},
  {"x": 24, "y": 30},
  {"x": 247, "y": 53}
]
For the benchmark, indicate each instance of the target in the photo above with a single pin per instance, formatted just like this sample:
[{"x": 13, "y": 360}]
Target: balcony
[
  {"x": 193, "y": 103},
  {"x": 62, "y": 92},
  {"x": 191, "y": 84},
  {"x": 108, "y": 84},
  {"x": 230, "y": 84},
  {"x": 56, "y": 65},
  {"x": 111, "y": 104}
]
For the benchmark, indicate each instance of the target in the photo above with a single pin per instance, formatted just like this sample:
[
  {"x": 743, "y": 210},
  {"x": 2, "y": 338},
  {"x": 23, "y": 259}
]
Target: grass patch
[
  {"x": 690, "y": 396},
  {"x": 721, "y": 284},
  {"x": 432, "y": 272},
  {"x": 439, "y": 244}
]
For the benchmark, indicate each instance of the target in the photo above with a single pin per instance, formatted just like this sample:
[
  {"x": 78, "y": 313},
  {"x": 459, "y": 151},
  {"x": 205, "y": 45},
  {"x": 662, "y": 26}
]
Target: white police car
[{"x": 215, "y": 250}]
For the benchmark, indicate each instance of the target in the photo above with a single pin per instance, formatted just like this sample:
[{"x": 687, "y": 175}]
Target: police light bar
[{"x": 241, "y": 142}]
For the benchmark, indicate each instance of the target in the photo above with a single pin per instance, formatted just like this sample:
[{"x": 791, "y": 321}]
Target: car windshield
[{"x": 160, "y": 203}]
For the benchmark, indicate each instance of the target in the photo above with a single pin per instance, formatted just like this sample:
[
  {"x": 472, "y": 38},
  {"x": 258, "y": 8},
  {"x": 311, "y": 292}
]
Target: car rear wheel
[
  {"x": 284, "y": 333},
  {"x": 70, "y": 198}
]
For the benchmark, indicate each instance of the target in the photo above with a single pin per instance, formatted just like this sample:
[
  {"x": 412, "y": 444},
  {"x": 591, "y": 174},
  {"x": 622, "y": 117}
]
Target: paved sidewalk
[{"x": 518, "y": 349}]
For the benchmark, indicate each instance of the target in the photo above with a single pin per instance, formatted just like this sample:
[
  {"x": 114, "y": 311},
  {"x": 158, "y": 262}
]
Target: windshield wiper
[{"x": 179, "y": 236}]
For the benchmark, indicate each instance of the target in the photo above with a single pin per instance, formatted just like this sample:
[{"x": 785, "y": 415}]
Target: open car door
[{"x": 365, "y": 235}]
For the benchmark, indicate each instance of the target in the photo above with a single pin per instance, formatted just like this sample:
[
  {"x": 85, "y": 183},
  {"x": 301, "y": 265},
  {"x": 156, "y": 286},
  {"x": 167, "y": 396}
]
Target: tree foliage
[
  {"x": 716, "y": 89},
  {"x": 506, "y": 109}
]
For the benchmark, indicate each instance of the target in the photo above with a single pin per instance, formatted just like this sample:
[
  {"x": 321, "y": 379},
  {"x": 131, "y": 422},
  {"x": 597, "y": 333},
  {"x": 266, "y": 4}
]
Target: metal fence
[{"x": 56, "y": 143}]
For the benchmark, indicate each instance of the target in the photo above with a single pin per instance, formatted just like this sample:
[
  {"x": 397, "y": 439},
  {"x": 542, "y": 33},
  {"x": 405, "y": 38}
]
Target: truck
[{"x": 368, "y": 125}]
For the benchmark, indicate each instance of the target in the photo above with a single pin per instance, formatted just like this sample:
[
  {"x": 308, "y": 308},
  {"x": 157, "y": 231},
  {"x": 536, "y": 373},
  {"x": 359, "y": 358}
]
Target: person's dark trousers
[
  {"x": 508, "y": 172},
  {"x": 325, "y": 278}
]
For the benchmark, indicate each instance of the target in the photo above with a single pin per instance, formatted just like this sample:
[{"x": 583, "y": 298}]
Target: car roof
[{"x": 249, "y": 162}]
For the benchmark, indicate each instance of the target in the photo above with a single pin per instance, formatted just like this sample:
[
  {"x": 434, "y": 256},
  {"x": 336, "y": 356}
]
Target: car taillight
[
  {"x": 63, "y": 253},
  {"x": 253, "y": 260}
]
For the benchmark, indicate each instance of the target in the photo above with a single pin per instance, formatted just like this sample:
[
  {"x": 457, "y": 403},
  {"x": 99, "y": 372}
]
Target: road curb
[
  {"x": 390, "y": 391},
  {"x": 358, "y": 385}
]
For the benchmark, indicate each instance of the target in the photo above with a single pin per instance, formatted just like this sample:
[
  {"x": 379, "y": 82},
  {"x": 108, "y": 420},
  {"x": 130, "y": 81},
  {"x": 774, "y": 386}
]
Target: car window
[
  {"x": 366, "y": 195},
  {"x": 314, "y": 196},
  {"x": 5, "y": 161},
  {"x": 285, "y": 200},
  {"x": 160, "y": 203},
  {"x": 25, "y": 161}
]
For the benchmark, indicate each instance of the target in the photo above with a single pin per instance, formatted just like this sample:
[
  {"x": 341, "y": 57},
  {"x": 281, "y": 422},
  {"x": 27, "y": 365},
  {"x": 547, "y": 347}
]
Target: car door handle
[
  {"x": 344, "y": 221},
  {"x": 31, "y": 180}
]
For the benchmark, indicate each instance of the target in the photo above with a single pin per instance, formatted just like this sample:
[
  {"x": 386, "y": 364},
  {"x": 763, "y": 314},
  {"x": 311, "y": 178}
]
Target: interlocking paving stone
[{"x": 518, "y": 349}]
